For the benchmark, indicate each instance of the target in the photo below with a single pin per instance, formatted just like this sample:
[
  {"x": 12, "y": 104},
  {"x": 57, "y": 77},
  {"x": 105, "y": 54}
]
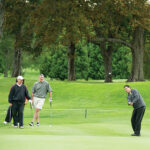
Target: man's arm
[
  {"x": 10, "y": 97},
  {"x": 50, "y": 94},
  {"x": 33, "y": 91},
  {"x": 26, "y": 102},
  {"x": 32, "y": 95},
  {"x": 129, "y": 100},
  {"x": 27, "y": 93}
]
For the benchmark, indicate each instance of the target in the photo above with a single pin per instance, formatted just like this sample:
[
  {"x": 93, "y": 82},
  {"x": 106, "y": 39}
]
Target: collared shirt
[
  {"x": 19, "y": 84},
  {"x": 40, "y": 89}
]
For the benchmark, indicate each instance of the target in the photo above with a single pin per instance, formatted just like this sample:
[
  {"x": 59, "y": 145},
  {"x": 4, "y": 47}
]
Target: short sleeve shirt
[{"x": 40, "y": 89}]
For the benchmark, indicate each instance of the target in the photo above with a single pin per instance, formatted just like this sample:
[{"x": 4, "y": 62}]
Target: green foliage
[
  {"x": 30, "y": 61},
  {"x": 89, "y": 62},
  {"x": 62, "y": 21},
  {"x": 81, "y": 61},
  {"x": 54, "y": 64},
  {"x": 146, "y": 61},
  {"x": 121, "y": 63},
  {"x": 6, "y": 54},
  {"x": 1, "y": 64},
  {"x": 96, "y": 63}
]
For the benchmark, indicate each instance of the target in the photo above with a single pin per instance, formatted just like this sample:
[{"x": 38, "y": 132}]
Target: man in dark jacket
[
  {"x": 135, "y": 99},
  {"x": 17, "y": 99}
]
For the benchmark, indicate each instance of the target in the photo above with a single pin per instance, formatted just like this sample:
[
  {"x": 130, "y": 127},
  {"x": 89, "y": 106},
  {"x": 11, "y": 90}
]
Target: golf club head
[{"x": 31, "y": 106}]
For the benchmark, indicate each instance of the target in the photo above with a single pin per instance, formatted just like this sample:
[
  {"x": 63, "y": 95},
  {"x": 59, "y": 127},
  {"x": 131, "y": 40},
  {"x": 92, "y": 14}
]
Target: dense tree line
[
  {"x": 89, "y": 63},
  {"x": 107, "y": 24}
]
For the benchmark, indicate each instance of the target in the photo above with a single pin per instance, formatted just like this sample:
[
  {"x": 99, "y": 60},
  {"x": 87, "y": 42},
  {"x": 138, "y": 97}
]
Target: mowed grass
[{"x": 64, "y": 127}]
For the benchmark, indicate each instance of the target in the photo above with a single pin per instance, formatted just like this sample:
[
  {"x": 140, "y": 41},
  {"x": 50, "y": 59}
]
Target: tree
[
  {"x": 136, "y": 13},
  {"x": 96, "y": 62},
  {"x": 82, "y": 61},
  {"x": 147, "y": 56},
  {"x": 6, "y": 54},
  {"x": 106, "y": 24},
  {"x": 17, "y": 14},
  {"x": 61, "y": 21},
  {"x": 1, "y": 16},
  {"x": 54, "y": 63},
  {"x": 121, "y": 62}
]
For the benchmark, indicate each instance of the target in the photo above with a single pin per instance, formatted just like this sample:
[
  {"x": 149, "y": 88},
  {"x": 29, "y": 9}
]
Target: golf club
[
  {"x": 50, "y": 114},
  {"x": 31, "y": 107}
]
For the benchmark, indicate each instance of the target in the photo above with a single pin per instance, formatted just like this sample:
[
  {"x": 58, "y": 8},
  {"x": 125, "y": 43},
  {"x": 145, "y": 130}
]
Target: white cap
[{"x": 19, "y": 78}]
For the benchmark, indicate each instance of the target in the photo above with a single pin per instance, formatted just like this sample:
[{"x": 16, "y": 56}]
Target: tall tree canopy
[
  {"x": 16, "y": 20},
  {"x": 61, "y": 21},
  {"x": 1, "y": 15},
  {"x": 132, "y": 17}
]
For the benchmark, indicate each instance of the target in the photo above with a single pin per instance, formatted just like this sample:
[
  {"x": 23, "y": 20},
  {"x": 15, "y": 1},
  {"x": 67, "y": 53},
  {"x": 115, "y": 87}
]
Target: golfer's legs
[
  {"x": 139, "y": 117},
  {"x": 14, "y": 112},
  {"x": 20, "y": 114},
  {"x": 36, "y": 115},
  {"x": 38, "y": 103},
  {"x": 133, "y": 120}
]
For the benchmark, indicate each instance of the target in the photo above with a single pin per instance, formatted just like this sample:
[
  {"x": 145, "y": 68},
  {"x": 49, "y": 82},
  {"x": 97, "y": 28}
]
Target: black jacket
[{"x": 18, "y": 93}]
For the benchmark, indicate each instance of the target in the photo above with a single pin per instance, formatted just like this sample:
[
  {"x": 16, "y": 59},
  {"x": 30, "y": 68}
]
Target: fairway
[
  {"x": 74, "y": 137},
  {"x": 74, "y": 75},
  {"x": 64, "y": 127},
  {"x": 86, "y": 136}
]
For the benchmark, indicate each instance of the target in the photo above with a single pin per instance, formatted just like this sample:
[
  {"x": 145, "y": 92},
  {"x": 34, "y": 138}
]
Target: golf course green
[{"x": 85, "y": 115}]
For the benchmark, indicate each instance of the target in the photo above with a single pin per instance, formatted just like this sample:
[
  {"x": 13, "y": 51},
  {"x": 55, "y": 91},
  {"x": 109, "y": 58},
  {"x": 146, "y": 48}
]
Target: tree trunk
[
  {"x": 17, "y": 57},
  {"x": 17, "y": 63},
  {"x": 107, "y": 57},
  {"x": 6, "y": 64},
  {"x": 1, "y": 16},
  {"x": 71, "y": 62},
  {"x": 137, "y": 73}
]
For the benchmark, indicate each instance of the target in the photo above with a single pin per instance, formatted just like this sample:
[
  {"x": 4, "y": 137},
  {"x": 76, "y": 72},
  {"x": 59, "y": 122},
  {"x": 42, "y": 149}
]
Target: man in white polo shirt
[{"x": 38, "y": 95}]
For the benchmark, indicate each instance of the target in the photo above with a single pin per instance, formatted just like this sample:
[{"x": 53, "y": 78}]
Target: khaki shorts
[{"x": 38, "y": 102}]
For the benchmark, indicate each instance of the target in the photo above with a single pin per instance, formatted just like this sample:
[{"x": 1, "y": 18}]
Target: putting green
[
  {"x": 107, "y": 126},
  {"x": 72, "y": 137}
]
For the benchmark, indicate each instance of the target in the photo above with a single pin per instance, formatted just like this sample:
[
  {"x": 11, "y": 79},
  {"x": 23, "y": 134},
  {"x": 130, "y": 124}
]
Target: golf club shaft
[
  {"x": 50, "y": 113},
  {"x": 10, "y": 116}
]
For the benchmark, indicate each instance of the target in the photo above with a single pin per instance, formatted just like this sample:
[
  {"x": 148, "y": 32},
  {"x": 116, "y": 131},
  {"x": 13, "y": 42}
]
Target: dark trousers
[
  {"x": 8, "y": 115},
  {"x": 17, "y": 111},
  {"x": 136, "y": 119}
]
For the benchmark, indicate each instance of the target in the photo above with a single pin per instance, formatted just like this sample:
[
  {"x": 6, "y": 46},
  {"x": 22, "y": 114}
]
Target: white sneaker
[
  {"x": 21, "y": 127},
  {"x": 15, "y": 126},
  {"x": 5, "y": 122}
]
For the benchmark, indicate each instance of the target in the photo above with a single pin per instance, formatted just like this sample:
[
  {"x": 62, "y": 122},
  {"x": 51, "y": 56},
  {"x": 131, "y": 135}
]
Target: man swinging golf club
[
  {"x": 38, "y": 95},
  {"x": 135, "y": 99}
]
